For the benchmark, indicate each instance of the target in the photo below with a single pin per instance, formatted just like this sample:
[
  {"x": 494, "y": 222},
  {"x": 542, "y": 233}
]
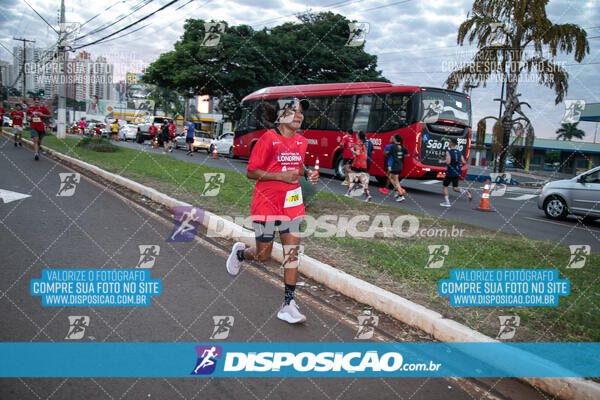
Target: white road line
[
  {"x": 430, "y": 182},
  {"x": 565, "y": 225},
  {"x": 524, "y": 197}
]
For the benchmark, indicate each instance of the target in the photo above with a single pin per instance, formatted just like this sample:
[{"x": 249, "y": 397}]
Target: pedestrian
[
  {"x": 276, "y": 162},
  {"x": 17, "y": 117},
  {"x": 165, "y": 138},
  {"x": 347, "y": 144},
  {"x": 388, "y": 180},
  {"x": 114, "y": 129},
  {"x": 454, "y": 162},
  {"x": 2, "y": 112},
  {"x": 37, "y": 129},
  {"x": 359, "y": 172},
  {"x": 172, "y": 130},
  {"x": 369, "y": 146},
  {"x": 396, "y": 152},
  {"x": 189, "y": 137}
]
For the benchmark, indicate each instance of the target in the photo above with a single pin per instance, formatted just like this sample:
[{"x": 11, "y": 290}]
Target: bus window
[
  {"x": 390, "y": 112},
  {"x": 441, "y": 105},
  {"x": 339, "y": 113},
  {"x": 361, "y": 112},
  {"x": 316, "y": 116}
]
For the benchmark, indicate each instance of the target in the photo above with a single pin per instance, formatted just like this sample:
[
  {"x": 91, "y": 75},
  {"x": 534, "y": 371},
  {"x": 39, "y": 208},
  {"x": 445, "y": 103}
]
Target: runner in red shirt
[
  {"x": 37, "y": 129},
  {"x": 276, "y": 162},
  {"x": 17, "y": 117},
  {"x": 347, "y": 144},
  {"x": 172, "y": 130},
  {"x": 359, "y": 175}
]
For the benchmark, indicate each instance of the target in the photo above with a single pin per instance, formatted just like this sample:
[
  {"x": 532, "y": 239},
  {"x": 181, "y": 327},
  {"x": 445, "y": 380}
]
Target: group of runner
[{"x": 35, "y": 115}]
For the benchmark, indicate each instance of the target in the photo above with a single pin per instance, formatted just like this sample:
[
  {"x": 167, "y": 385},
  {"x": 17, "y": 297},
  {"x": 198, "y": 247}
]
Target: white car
[
  {"x": 224, "y": 144},
  {"x": 127, "y": 132}
]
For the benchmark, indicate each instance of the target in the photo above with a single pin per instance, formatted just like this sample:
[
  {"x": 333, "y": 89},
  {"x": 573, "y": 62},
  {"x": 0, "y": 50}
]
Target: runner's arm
[{"x": 290, "y": 176}]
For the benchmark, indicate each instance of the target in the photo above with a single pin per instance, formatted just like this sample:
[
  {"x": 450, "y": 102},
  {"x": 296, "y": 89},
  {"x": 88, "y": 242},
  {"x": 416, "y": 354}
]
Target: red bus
[{"x": 427, "y": 118}]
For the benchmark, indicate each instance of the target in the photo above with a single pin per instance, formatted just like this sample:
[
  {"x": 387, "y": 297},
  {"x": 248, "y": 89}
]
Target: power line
[
  {"x": 44, "y": 19},
  {"x": 127, "y": 27},
  {"x": 106, "y": 9},
  {"x": 137, "y": 7}
]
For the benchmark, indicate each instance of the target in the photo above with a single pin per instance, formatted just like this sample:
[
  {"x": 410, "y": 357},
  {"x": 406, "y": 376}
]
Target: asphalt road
[
  {"x": 515, "y": 212},
  {"x": 99, "y": 228}
]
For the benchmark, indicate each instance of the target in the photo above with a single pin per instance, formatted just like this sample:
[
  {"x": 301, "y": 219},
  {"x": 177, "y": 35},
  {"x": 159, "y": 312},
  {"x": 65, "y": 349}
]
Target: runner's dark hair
[{"x": 398, "y": 138}]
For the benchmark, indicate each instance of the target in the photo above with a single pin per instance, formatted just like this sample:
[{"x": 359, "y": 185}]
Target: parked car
[
  {"x": 224, "y": 144},
  {"x": 143, "y": 127},
  {"x": 127, "y": 132},
  {"x": 6, "y": 121},
  {"x": 577, "y": 196},
  {"x": 202, "y": 141}
]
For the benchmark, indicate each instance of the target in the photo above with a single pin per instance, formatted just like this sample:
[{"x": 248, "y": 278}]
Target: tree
[
  {"x": 518, "y": 24},
  {"x": 310, "y": 51},
  {"x": 569, "y": 131},
  {"x": 167, "y": 100}
]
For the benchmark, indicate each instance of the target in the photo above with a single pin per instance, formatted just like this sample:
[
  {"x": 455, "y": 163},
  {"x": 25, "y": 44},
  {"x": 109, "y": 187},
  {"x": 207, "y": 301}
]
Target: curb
[{"x": 433, "y": 323}]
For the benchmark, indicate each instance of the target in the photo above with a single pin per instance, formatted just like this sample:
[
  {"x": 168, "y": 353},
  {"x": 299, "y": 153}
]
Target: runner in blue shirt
[
  {"x": 189, "y": 137},
  {"x": 454, "y": 161}
]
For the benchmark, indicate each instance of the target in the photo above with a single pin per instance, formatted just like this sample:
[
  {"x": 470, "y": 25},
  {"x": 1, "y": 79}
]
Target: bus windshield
[{"x": 446, "y": 106}]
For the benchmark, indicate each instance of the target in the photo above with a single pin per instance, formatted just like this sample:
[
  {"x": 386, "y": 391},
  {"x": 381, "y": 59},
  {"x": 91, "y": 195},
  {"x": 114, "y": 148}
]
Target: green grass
[{"x": 396, "y": 264}]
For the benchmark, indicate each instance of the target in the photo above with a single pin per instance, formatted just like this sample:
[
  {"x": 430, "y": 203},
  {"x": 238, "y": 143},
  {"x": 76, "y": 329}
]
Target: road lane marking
[
  {"x": 523, "y": 197},
  {"x": 565, "y": 225},
  {"x": 430, "y": 182},
  {"x": 7, "y": 196}
]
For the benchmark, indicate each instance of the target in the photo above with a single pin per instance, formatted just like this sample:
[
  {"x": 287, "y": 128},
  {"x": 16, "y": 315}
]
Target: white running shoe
[
  {"x": 444, "y": 204},
  {"x": 400, "y": 198},
  {"x": 290, "y": 314},
  {"x": 233, "y": 264}
]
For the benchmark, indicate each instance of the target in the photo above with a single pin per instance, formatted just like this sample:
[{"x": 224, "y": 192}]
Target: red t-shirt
[
  {"x": 37, "y": 121},
  {"x": 152, "y": 130},
  {"x": 276, "y": 200},
  {"x": 348, "y": 142},
  {"x": 2, "y": 111},
  {"x": 171, "y": 130},
  {"x": 360, "y": 160},
  {"x": 17, "y": 117}
]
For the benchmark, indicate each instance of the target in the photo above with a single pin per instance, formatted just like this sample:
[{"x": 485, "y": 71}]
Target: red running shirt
[
  {"x": 348, "y": 142},
  {"x": 37, "y": 121},
  {"x": 360, "y": 160},
  {"x": 152, "y": 130},
  {"x": 17, "y": 117},
  {"x": 276, "y": 200}
]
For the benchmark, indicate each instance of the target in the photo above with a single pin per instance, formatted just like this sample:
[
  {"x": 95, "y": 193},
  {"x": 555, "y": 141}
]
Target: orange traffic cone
[
  {"x": 317, "y": 166},
  {"x": 214, "y": 153},
  {"x": 484, "y": 204},
  {"x": 155, "y": 142}
]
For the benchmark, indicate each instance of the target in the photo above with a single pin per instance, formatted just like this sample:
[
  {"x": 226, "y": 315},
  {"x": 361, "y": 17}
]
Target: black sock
[
  {"x": 289, "y": 293},
  {"x": 240, "y": 255}
]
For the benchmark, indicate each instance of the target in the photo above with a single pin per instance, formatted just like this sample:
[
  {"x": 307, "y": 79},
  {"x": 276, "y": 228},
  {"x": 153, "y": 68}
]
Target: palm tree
[
  {"x": 569, "y": 131},
  {"x": 521, "y": 23}
]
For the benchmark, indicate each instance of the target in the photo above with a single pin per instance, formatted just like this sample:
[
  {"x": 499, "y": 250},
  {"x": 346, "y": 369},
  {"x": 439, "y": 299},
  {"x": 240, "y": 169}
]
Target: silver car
[{"x": 577, "y": 196}]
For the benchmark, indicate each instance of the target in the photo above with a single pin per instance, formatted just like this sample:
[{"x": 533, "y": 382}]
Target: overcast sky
[{"x": 415, "y": 40}]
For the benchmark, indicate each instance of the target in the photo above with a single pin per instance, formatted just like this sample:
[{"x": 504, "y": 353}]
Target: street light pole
[{"x": 62, "y": 85}]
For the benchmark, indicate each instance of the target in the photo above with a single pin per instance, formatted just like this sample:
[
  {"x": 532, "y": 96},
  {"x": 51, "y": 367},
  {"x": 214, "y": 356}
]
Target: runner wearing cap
[{"x": 276, "y": 161}]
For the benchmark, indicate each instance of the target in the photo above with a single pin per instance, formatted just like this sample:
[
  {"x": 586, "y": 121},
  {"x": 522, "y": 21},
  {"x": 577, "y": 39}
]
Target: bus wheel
[{"x": 338, "y": 167}]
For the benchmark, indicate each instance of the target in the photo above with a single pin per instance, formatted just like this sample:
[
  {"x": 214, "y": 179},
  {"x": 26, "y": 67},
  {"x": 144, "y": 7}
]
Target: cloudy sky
[{"x": 415, "y": 40}]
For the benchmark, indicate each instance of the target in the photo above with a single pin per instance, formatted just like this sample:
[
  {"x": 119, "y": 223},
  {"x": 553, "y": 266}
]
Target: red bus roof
[{"x": 329, "y": 89}]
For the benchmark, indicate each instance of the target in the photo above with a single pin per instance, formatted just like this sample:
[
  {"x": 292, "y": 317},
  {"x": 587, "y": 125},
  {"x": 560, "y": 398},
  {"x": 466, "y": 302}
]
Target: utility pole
[
  {"x": 62, "y": 85},
  {"x": 24, "y": 94}
]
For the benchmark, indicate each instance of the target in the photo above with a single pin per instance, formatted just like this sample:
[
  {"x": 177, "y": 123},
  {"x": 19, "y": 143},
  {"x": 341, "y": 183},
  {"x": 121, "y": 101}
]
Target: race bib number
[
  {"x": 293, "y": 198},
  {"x": 36, "y": 119}
]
